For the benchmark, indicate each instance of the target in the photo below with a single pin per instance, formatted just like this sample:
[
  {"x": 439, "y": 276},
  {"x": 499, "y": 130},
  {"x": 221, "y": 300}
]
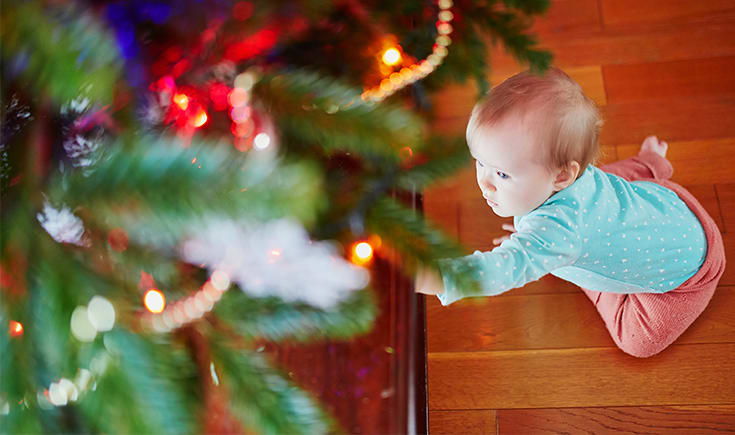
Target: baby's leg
[
  {"x": 650, "y": 162},
  {"x": 644, "y": 324}
]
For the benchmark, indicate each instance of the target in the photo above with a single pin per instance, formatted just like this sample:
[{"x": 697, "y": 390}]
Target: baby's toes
[{"x": 649, "y": 143}]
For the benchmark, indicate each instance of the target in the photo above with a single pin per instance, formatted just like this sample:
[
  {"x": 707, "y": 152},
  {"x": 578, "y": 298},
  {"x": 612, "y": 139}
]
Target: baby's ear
[{"x": 566, "y": 176}]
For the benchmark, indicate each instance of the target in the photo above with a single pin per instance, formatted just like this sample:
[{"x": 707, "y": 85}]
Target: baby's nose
[{"x": 488, "y": 185}]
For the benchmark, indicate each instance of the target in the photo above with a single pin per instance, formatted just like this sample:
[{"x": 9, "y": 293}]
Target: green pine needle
[
  {"x": 444, "y": 156},
  {"x": 275, "y": 320},
  {"x": 263, "y": 399},
  {"x": 409, "y": 233},
  {"x": 321, "y": 112},
  {"x": 66, "y": 52}
]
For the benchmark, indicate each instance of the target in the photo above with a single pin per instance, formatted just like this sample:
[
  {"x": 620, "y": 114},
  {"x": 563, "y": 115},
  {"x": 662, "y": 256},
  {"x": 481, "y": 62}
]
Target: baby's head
[{"x": 531, "y": 136}]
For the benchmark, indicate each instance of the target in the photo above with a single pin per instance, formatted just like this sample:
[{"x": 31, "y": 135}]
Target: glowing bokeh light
[
  {"x": 101, "y": 313},
  {"x": 362, "y": 252},
  {"x": 261, "y": 141},
  {"x": 220, "y": 280},
  {"x": 16, "y": 329},
  {"x": 391, "y": 57},
  {"x": 182, "y": 101},
  {"x": 238, "y": 97},
  {"x": 154, "y": 301},
  {"x": 81, "y": 327},
  {"x": 199, "y": 119}
]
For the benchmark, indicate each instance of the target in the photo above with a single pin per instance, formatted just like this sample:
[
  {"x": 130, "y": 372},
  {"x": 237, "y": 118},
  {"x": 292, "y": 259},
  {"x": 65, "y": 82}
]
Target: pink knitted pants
[{"x": 644, "y": 324}]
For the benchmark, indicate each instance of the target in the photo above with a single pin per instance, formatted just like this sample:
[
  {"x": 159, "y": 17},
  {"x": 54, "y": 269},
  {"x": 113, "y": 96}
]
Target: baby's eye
[
  {"x": 479, "y": 164},
  {"x": 503, "y": 175}
]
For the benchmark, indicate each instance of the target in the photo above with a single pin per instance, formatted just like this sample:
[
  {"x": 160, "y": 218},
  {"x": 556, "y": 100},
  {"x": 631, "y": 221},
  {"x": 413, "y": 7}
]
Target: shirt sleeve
[{"x": 544, "y": 240}]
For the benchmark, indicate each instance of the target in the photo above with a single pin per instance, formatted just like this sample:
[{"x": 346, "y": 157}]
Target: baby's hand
[
  {"x": 428, "y": 281},
  {"x": 507, "y": 227},
  {"x": 651, "y": 143}
]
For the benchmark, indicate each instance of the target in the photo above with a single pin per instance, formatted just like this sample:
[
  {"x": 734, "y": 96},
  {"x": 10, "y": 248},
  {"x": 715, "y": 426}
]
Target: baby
[{"x": 640, "y": 246}]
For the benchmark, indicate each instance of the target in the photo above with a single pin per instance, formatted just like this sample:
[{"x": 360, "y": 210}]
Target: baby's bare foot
[{"x": 651, "y": 143}]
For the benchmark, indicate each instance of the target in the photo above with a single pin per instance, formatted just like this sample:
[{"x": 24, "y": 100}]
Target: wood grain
[
  {"x": 462, "y": 422},
  {"x": 665, "y": 80},
  {"x": 687, "y": 374},
  {"x": 710, "y": 36},
  {"x": 707, "y": 196},
  {"x": 705, "y": 161},
  {"x": 668, "y": 12},
  {"x": 694, "y": 420},
  {"x": 672, "y": 119},
  {"x": 569, "y": 16},
  {"x": 552, "y": 321},
  {"x": 726, "y": 198}
]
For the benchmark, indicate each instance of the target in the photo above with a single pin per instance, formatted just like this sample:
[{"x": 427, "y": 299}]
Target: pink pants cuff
[{"x": 644, "y": 324}]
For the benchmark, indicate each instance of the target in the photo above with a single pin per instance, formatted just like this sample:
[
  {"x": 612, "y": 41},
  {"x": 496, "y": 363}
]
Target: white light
[
  {"x": 57, "y": 395},
  {"x": 245, "y": 80},
  {"x": 262, "y": 140},
  {"x": 220, "y": 280},
  {"x": 101, "y": 314},
  {"x": 80, "y": 325},
  {"x": 70, "y": 389},
  {"x": 82, "y": 379}
]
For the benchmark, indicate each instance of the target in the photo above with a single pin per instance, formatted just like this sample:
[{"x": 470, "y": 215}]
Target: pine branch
[
  {"x": 409, "y": 233},
  {"x": 263, "y": 399},
  {"x": 65, "y": 53},
  {"x": 146, "y": 386},
  {"x": 528, "y": 7},
  {"x": 508, "y": 27},
  {"x": 444, "y": 157},
  {"x": 158, "y": 190},
  {"x": 322, "y": 112},
  {"x": 15, "y": 371},
  {"x": 275, "y": 320}
]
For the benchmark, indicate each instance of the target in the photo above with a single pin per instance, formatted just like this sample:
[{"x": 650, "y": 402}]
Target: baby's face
[{"x": 509, "y": 173}]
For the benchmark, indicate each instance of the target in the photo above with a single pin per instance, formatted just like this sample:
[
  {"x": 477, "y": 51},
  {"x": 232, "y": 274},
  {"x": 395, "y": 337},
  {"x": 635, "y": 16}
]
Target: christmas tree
[{"x": 184, "y": 180}]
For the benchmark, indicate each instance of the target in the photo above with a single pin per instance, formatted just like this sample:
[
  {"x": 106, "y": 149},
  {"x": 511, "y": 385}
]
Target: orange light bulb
[
  {"x": 391, "y": 56},
  {"x": 16, "y": 329},
  {"x": 182, "y": 101},
  {"x": 362, "y": 252},
  {"x": 200, "y": 119},
  {"x": 154, "y": 301}
]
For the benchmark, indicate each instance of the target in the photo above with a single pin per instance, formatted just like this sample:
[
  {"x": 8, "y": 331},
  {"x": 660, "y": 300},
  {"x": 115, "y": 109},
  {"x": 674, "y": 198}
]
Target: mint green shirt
[{"x": 602, "y": 233}]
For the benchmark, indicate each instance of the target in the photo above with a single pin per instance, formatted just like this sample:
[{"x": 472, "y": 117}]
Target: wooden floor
[{"x": 539, "y": 359}]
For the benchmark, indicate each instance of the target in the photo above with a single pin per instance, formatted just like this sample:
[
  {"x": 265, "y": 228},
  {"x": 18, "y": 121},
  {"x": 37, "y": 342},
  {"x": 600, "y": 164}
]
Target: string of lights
[{"x": 407, "y": 75}]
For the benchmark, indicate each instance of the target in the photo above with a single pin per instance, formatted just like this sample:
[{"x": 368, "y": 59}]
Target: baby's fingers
[
  {"x": 509, "y": 227},
  {"x": 500, "y": 240}
]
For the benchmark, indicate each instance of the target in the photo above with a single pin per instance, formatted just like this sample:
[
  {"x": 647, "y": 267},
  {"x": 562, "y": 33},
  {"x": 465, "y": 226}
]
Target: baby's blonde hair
[{"x": 564, "y": 119}]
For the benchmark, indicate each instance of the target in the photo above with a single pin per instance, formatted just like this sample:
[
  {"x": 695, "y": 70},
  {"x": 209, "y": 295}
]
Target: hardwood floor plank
[
  {"x": 441, "y": 206},
  {"x": 694, "y": 420},
  {"x": 726, "y": 198},
  {"x": 480, "y": 421},
  {"x": 707, "y": 37},
  {"x": 551, "y": 321},
  {"x": 672, "y": 120},
  {"x": 707, "y": 196},
  {"x": 568, "y": 17},
  {"x": 711, "y": 77},
  {"x": 702, "y": 161},
  {"x": 728, "y": 278},
  {"x": 688, "y": 374},
  {"x": 625, "y": 12}
]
